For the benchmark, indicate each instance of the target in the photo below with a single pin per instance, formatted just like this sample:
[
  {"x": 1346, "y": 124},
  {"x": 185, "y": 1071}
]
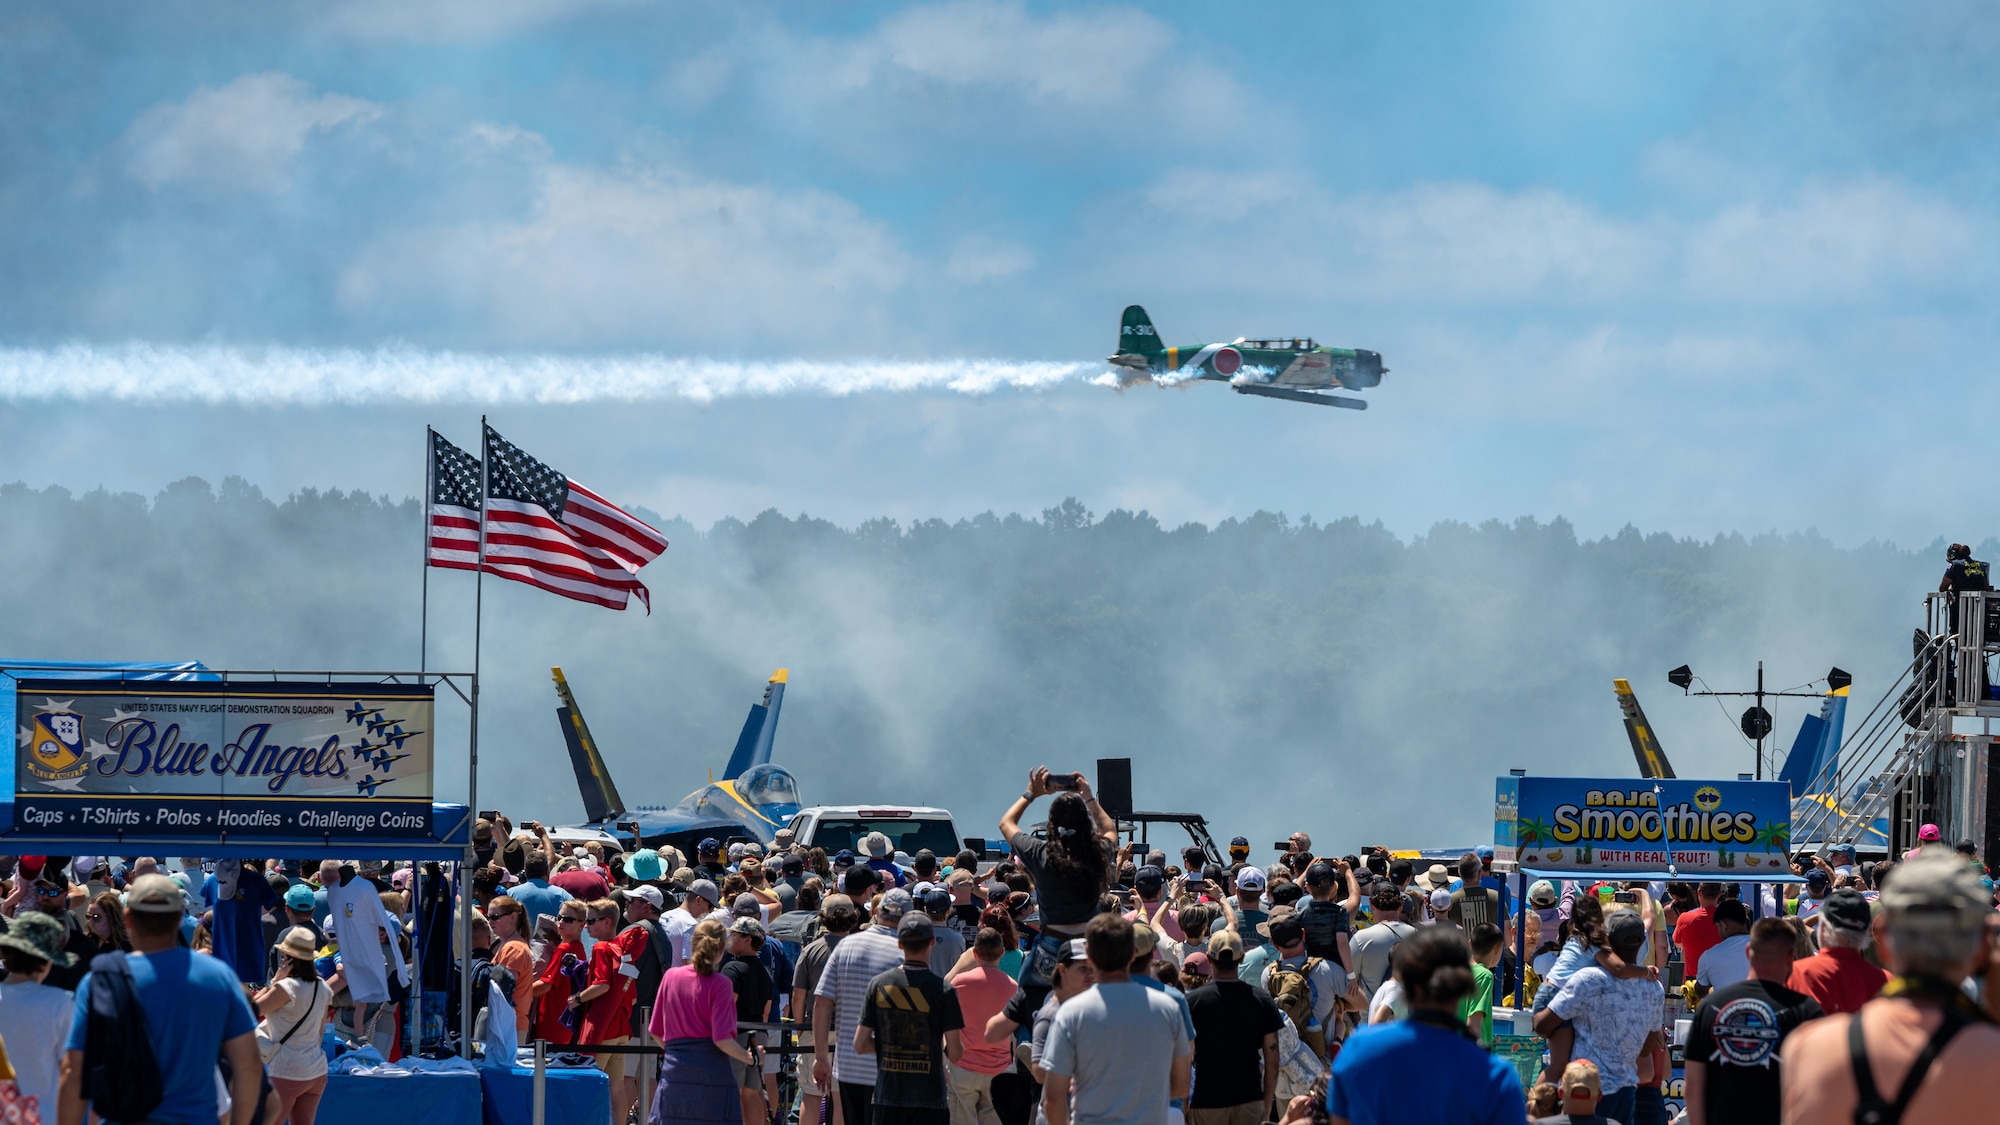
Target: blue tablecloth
[
  {"x": 410, "y": 1099},
  {"x": 572, "y": 1095}
]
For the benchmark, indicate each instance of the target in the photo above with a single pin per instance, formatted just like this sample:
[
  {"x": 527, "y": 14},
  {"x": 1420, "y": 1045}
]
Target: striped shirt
[{"x": 857, "y": 960}]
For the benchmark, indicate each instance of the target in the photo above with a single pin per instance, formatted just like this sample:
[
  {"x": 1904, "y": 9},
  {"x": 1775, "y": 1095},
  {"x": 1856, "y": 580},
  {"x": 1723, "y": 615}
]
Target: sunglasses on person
[
  {"x": 50, "y": 892},
  {"x": 572, "y": 919}
]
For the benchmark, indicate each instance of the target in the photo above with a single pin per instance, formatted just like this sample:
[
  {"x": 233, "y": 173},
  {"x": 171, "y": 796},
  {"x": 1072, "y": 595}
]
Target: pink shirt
[
  {"x": 692, "y": 1006},
  {"x": 982, "y": 993}
]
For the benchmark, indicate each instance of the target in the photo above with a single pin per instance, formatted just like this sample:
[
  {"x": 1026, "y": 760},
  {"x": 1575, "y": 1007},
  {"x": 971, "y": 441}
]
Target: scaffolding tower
[{"x": 1923, "y": 754}]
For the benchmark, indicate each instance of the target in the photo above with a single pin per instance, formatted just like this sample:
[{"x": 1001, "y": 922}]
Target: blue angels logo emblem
[{"x": 56, "y": 749}]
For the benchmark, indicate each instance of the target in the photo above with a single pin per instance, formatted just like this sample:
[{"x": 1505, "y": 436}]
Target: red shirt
[
  {"x": 610, "y": 1015},
  {"x": 1696, "y": 934},
  {"x": 1840, "y": 979},
  {"x": 584, "y": 886},
  {"x": 549, "y": 1009}
]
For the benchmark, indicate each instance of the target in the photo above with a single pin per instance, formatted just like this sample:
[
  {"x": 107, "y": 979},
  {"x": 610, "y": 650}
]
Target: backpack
[
  {"x": 1295, "y": 992},
  {"x": 121, "y": 1075}
]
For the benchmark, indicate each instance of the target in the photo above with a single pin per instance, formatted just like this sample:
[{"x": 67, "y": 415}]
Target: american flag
[
  {"x": 454, "y": 507},
  {"x": 542, "y": 528}
]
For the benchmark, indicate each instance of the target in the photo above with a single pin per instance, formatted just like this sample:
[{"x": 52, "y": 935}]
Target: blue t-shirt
[
  {"x": 193, "y": 1005},
  {"x": 237, "y": 925},
  {"x": 537, "y": 897},
  {"x": 1408, "y": 1073},
  {"x": 1147, "y": 980}
]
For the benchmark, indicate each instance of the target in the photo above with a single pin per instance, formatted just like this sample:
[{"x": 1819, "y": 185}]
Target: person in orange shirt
[
  {"x": 1937, "y": 931},
  {"x": 1838, "y": 976},
  {"x": 510, "y": 952}
]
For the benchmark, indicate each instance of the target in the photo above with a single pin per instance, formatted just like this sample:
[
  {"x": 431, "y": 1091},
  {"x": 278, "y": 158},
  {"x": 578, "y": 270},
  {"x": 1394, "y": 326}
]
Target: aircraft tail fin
[
  {"x": 1645, "y": 745},
  {"x": 760, "y": 729},
  {"x": 1816, "y": 750},
  {"x": 601, "y": 801},
  {"x": 1136, "y": 335}
]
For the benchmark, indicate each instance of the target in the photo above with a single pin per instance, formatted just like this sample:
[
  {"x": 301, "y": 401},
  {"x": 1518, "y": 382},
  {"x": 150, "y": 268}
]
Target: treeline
[{"x": 1269, "y": 672}]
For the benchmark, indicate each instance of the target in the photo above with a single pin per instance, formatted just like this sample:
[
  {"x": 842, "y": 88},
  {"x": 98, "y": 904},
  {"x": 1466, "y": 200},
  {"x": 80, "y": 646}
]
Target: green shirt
[{"x": 1480, "y": 999}]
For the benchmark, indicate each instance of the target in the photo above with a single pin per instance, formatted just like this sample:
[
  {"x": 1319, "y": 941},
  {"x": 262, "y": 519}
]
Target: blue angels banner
[
  {"x": 1738, "y": 829},
  {"x": 208, "y": 759}
]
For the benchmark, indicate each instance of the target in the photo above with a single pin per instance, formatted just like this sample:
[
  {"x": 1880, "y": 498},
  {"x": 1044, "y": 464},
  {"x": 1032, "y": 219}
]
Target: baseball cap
[
  {"x": 747, "y": 905},
  {"x": 705, "y": 889},
  {"x": 1581, "y": 1074},
  {"x": 914, "y": 926},
  {"x": 650, "y": 894},
  {"x": 1250, "y": 879},
  {"x": 299, "y": 897},
  {"x": 1226, "y": 945},
  {"x": 792, "y": 864},
  {"x": 893, "y": 906},
  {"x": 736, "y": 851},
  {"x": 843, "y": 858},
  {"x": 644, "y": 865},
  {"x": 1144, "y": 939},
  {"x": 1440, "y": 900},
  {"x": 1929, "y": 834},
  {"x": 1197, "y": 962},
  {"x": 1817, "y": 878},
  {"x": 1321, "y": 875},
  {"x": 937, "y": 901},
  {"x": 749, "y": 926},
  {"x": 1847, "y": 909},
  {"x": 154, "y": 894},
  {"x": 1239, "y": 841},
  {"x": 709, "y": 846},
  {"x": 1484, "y": 852},
  {"x": 1542, "y": 893},
  {"x": 1624, "y": 928},
  {"x": 1071, "y": 952},
  {"x": 1935, "y": 892},
  {"x": 482, "y": 830},
  {"x": 1149, "y": 878}
]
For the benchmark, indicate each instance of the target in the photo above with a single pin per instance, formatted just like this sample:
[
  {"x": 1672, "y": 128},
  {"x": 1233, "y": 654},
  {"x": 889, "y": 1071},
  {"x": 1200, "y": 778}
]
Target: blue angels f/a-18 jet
[
  {"x": 368, "y": 785},
  {"x": 753, "y": 800},
  {"x": 357, "y": 713},
  {"x": 1292, "y": 368}
]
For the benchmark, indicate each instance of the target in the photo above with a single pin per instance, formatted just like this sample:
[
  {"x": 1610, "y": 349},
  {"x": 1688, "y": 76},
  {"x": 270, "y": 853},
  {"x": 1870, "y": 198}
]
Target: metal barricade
[{"x": 787, "y": 1046}]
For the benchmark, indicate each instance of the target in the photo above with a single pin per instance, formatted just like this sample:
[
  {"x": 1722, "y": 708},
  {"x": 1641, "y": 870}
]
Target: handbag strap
[{"x": 303, "y": 1016}]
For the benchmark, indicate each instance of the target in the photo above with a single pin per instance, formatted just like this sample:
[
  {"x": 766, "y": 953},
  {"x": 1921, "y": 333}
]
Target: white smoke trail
[{"x": 300, "y": 376}]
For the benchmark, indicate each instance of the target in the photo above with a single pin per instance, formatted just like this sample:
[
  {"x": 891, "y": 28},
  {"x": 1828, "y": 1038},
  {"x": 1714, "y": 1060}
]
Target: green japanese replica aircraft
[{"x": 1294, "y": 368}]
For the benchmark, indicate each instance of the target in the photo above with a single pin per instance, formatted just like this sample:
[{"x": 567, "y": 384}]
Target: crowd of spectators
[{"x": 1079, "y": 978}]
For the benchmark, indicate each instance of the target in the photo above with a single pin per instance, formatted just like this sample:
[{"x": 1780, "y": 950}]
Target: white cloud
[
  {"x": 452, "y": 21},
  {"x": 239, "y": 137},
  {"x": 985, "y": 72},
  {"x": 607, "y": 257},
  {"x": 1469, "y": 243},
  {"x": 978, "y": 259}
]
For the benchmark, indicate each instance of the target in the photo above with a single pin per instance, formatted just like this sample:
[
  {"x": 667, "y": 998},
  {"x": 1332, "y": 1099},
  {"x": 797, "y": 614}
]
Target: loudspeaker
[{"x": 1114, "y": 787}]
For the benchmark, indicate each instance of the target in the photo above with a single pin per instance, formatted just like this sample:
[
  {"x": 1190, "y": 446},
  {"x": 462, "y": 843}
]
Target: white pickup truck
[{"x": 910, "y": 828}]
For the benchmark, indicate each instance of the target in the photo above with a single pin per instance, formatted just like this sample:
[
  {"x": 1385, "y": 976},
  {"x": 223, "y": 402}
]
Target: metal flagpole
[
  {"x": 472, "y": 772},
  {"x": 424, "y": 628}
]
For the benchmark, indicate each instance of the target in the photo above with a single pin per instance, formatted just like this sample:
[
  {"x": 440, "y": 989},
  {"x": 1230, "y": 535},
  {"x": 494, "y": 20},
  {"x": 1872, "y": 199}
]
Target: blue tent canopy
[{"x": 453, "y": 825}]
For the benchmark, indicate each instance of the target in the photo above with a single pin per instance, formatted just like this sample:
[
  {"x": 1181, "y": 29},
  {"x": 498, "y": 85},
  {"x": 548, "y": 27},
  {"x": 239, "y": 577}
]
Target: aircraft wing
[
  {"x": 1307, "y": 369},
  {"x": 1645, "y": 746},
  {"x": 601, "y": 800}
]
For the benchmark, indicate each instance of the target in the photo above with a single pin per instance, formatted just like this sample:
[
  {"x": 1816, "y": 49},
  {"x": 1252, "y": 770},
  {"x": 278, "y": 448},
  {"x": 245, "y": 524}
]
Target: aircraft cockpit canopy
[
  {"x": 1291, "y": 343},
  {"x": 768, "y": 785}
]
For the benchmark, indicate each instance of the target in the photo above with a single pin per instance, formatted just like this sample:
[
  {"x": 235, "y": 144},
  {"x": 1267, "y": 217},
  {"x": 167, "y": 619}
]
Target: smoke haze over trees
[{"x": 1271, "y": 673}]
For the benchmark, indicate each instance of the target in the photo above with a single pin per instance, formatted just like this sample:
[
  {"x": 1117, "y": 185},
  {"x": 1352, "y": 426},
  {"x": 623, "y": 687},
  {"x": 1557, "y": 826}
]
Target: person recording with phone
[{"x": 1070, "y": 869}]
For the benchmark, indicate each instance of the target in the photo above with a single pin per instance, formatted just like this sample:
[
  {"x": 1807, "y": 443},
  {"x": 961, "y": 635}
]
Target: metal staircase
[{"x": 1921, "y": 754}]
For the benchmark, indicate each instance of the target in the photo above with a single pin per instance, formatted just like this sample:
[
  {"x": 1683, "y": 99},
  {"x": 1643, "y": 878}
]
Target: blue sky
[{"x": 1701, "y": 268}]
